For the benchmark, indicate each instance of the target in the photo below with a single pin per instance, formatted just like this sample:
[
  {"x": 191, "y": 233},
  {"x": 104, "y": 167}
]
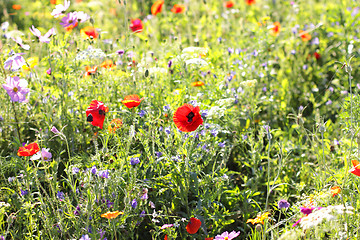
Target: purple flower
[
  {"x": 16, "y": 88},
  {"x": 60, "y": 8},
  {"x": 142, "y": 214},
  {"x": 46, "y": 37},
  {"x": 60, "y": 195},
  {"x": 134, "y": 203},
  {"x": 306, "y": 210},
  {"x": 70, "y": 20},
  {"x": 293, "y": 52},
  {"x": 158, "y": 154},
  {"x": 204, "y": 113},
  {"x": 166, "y": 108},
  {"x": 227, "y": 236},
  {"x": 328, "y": 102},
  {"x": 214, "y": 132},
  {"x": 230, "y": 50},
  {"x": 109, "y": 203},
  {"x": 104, "y": 174},
  {"x": 48, "y": 72},
  {"x": 77, "y": 211},
  {"x": 222, "y": 144},
  {"x": 170, "y": 64},
  {"x": 167, "y": 130},
  {"x": 85, "y": 237},
  {"x": 15, "y": 62},
  {"x": 142, "y": 113},
  {"x": 134, "y": 161},
  {"x": 101, "y": 233},
  {"x": 305, "y": 67},
  {"x": 283, "y": 204},
  {"x": 93, "y": 170},
  {"x": 23, "y": 192},
  {"x": 120, "y": 52},
  {"x": 315, "y": 41},
  {"x": 54, "y": 130}
]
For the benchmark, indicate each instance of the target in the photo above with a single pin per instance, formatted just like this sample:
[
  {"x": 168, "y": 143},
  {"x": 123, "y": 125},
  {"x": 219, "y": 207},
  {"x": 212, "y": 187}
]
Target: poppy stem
[{"x": 17, "y": 122}]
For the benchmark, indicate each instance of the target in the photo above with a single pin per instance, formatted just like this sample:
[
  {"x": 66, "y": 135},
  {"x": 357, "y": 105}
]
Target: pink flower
[
  {"x": 15, "y": 62},
  {"x": 166, "y": 226},
  {"x": 46, "y": 37},
  {"x": 16, "y": 88},
  {"x": 20, "y": 43},
  {"x": 69, "y": 20},
  {"x": 59, "y": 9},
  {"x": 227, "y": 236}
]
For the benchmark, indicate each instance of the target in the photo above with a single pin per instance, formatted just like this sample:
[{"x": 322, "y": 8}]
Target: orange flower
[
  {"x": 197, "y": 84},
  {"x": 335, "y": 190},
  {"x": 305, "y": 36},
  {"x": 53, "y": 1},
  {"x": 89, "y": 32},
  {"x": 178, "y": 8},
  {"x": 131, "y": 101},
  {"x": 115, "y": 124},
  {"x": 275, "y": 29},
  {"x": 157, "y": 7},
  {"x": 210, "y": 238},
  {"x": 259, "y": 218},
  {"x": 16, "y": 6},
  {"x": 28, "y": 150},
  {"x": 108, "y": 64},
  {"x": 111, "y": 215},
  {"x": 71, "y": 27},
  {"x": 229, "y": 4},
  {"x": 250, "y": 2},
  {"x": 90, "y": 71},
  {"x": 193, "y": 226},
  {"x": 356, "y": 169}
]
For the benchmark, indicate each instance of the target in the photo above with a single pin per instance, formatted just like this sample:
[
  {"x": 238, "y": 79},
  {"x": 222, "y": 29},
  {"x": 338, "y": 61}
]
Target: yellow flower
[
  {"x": 31, "y": 63},
  {"x": 259, "y": 218},
  {"x": 111, "y": 215}
]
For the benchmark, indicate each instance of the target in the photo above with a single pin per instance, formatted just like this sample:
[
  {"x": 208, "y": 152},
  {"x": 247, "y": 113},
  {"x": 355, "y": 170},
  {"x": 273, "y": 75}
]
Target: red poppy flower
[
  {"x": 210, "y": 238},
  {"x": 90, "y": 70},
  {"x": 28, "y": 150},
  {"x": 193, "y": 226},
  {"x": 178, "y": 8},
  {"x": 96, "y": 113},
  {"x": 136, "y": 25},
  {"x": 229, "y": 4},
  {"x": 89, "y": 32},
  {"x": 131, "y": 101},
  {"x": 187, "y": 118},
  {"x": 250, "y": 2},
  {"x": 166, "y": 238},
  {"x": 157, "y": 7},
  {"x": 317, "y": 55},
  {"x": 53, "y": 1},
  {"x": 275, "y": 29},
  {"x": 305, "y": 36},
  {"x": 356, "y": 169}
]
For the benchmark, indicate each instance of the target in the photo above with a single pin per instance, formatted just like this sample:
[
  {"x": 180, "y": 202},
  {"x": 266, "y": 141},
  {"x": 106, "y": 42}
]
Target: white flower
[
  {"x": 249, "y": 83},
  {"x": 197, "y": 61}
]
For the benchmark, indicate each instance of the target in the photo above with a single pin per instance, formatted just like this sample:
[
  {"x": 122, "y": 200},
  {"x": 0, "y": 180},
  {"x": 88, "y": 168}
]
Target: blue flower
[
  {"x": 222, "y": 144},
  {"x": 93, "y": 170},
  {"x": 134, "y": 203},
  {"x": 24, "y": 192},
  {"x": 158, "y": 154},
  {"x": 142, "y": 214},
  {"x": 283, "y": 204},
  {"x": 134, "y": 161},
  {"x": 168, "y": 130},
  {"x": 75, "y": 170},
  {"x": 142, "y": 113},
  {"x": 60, "y": 195},
  {"x": 104, "y": 174}
]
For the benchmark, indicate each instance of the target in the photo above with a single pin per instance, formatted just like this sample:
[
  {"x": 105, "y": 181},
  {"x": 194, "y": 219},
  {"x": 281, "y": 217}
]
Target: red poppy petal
[{"x": 193, "y": 226}]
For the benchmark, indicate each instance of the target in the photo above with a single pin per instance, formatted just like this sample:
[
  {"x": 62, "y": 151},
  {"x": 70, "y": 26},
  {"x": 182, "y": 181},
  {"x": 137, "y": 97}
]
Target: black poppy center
[
  {"x": 102, "y": 112},
  {"x": 190, "y": 116},
  {"x": 90, "y": 118}
]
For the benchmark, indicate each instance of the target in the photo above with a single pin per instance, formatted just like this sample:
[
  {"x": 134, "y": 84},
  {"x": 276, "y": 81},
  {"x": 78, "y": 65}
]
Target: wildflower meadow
[{"x": 189, "y": 119}]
